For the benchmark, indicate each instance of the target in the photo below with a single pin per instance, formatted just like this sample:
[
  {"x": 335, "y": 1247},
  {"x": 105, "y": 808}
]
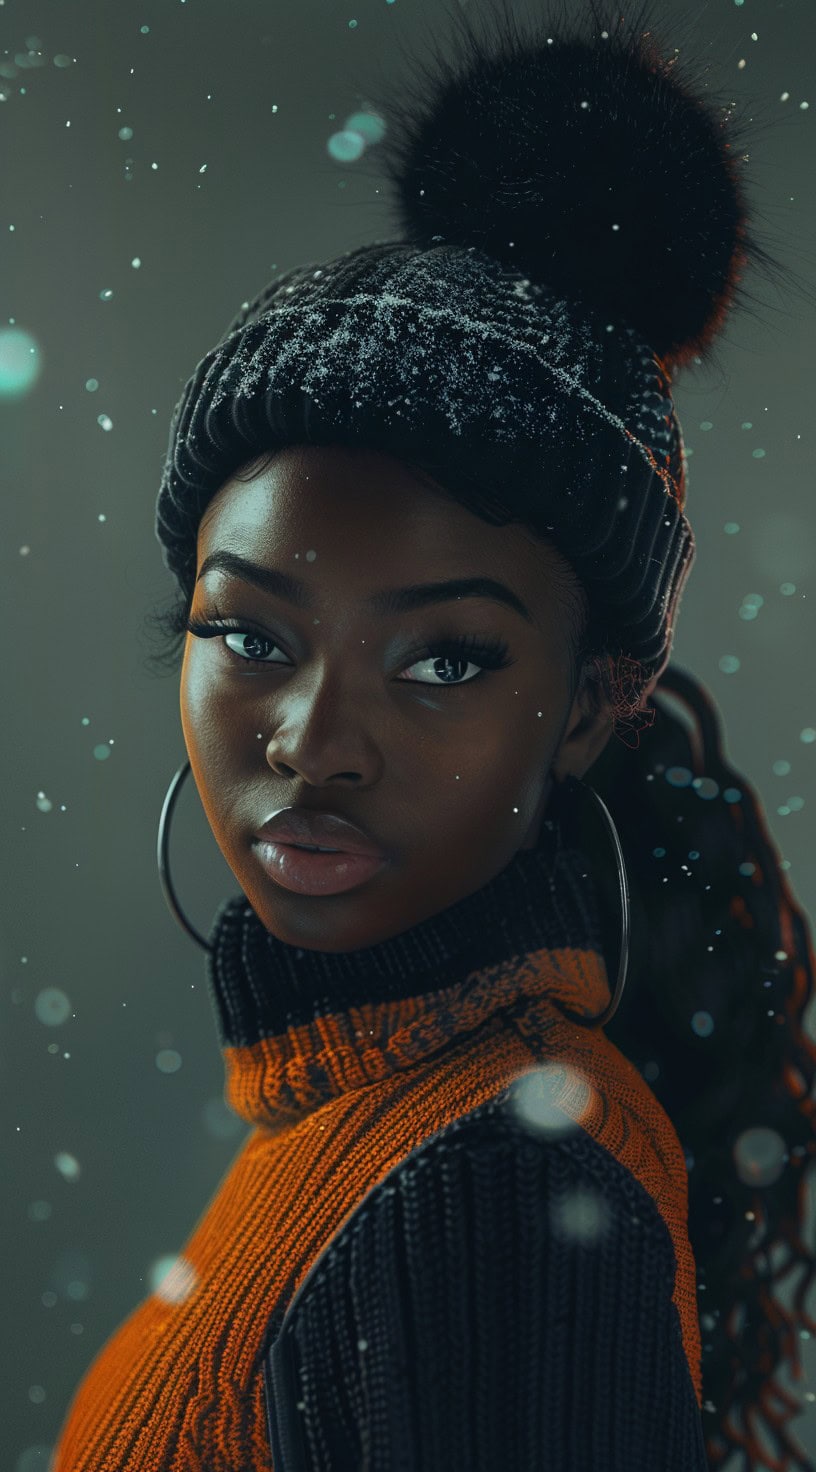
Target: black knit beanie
[{"x": 573, "y": 230}]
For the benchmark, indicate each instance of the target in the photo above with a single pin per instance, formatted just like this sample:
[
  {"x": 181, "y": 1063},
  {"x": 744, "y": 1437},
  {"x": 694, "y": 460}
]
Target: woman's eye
[
  {"x": 253, "y": 640},
  {"x": 445, "y": 662},
  {"x": 448, "y": 663}
]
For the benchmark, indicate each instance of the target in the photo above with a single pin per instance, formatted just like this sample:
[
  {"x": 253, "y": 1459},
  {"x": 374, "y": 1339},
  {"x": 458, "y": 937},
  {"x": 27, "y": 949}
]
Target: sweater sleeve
[{"x": 500, "y": 1300}]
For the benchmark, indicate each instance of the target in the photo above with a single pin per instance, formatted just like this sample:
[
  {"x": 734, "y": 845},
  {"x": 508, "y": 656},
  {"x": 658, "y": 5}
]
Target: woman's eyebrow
[{"x": 386, "y": 601}]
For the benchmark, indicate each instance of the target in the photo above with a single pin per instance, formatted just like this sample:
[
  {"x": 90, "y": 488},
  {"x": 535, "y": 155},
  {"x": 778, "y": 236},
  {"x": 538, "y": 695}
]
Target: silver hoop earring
[
  {"x": 569, "y": 786},
  {"x": 569, "y": 789},
  {"x": 164, "y": 868}
]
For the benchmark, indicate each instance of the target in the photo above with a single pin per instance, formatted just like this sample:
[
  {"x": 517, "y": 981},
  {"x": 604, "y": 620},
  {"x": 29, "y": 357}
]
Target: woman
[{"x": 424, "y": 505}]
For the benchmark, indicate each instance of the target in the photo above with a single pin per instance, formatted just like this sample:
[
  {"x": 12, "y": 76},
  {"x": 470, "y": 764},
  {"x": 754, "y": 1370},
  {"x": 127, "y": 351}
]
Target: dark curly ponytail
[{"x": 721, "y": 974}]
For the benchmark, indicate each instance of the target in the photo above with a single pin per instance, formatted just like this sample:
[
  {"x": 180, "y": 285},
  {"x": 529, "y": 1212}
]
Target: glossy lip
[
  {"x": 316, "y": 874},
  {"x": 298, "y": 825}
]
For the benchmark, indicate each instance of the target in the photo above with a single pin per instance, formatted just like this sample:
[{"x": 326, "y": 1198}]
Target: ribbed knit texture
[
  {"x": 503, "y": 1300},
  {"x": 348, "y": 1064}
]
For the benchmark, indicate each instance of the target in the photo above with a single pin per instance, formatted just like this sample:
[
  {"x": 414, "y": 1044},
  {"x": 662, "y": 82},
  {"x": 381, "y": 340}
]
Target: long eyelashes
[{"x": 490, "y": 653}]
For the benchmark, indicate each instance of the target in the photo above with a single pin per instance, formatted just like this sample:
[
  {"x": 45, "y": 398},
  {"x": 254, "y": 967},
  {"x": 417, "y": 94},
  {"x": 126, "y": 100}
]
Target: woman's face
[{"x": 444, "y": 765}]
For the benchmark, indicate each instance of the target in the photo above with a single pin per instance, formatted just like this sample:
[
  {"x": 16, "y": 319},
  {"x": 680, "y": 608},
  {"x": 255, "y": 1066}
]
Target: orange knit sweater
[{"x": 346, "y": 1064}]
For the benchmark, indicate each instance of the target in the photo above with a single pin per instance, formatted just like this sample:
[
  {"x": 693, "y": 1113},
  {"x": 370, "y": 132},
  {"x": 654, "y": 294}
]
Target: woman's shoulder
[{"x": 454, "y": 1309}]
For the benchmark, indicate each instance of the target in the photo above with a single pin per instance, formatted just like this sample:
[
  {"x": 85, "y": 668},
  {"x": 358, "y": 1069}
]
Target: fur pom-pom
[{"x": 584, "y": 162}]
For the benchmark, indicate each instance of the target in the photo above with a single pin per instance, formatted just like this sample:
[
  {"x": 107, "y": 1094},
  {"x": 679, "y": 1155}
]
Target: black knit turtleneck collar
[{"x": 544, "y": 898}]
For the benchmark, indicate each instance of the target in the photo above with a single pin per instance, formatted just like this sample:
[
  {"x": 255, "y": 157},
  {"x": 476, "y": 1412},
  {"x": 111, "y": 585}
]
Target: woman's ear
[{"x": 587, "y": 731}]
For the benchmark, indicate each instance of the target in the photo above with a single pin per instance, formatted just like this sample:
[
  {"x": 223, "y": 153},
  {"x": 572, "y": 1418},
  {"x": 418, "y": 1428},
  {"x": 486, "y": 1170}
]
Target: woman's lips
[
  {"x": 307, "y": 827},
  {"x": 302, "y": 872}
]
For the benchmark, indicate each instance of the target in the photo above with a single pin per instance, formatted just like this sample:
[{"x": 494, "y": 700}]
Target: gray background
[{"x": 114, "y": 1128}]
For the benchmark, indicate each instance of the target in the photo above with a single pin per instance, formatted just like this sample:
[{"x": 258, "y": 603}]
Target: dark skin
[{"x": 452, "y": 778}]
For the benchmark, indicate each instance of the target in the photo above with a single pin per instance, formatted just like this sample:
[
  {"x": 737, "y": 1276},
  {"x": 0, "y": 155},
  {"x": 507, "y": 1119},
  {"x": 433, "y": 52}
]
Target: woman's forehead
[{"x": 368, "y": 508}]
